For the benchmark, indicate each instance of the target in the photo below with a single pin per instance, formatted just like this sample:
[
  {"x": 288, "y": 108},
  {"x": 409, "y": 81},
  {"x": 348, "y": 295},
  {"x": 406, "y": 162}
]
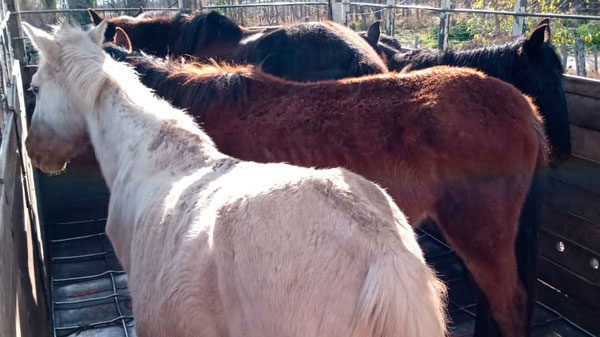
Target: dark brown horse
[
  {"x": 301, "y": 52},
  {"x": 529, "y": 63},
  {"x": 448, "y": 143}
]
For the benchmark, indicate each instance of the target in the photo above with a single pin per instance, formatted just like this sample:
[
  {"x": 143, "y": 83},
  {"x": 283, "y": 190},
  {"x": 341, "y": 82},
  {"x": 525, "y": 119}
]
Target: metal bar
[
  {"x": 75, "y": 238},
  {"x": 87, "y": 277},
  {"x": 78, "y": 10},
  {"x": 92, "y": 325},
  {"x": 563, "y": 318},
  {"x": 91, "y": 299},
  {"x": 114, "y": 285},
  {"x": 79, "y": 222},
  {"x": 427, "y": 8},
  {"x": 77, "y": 257},
  {"x": 270, "y": 4},
  {"x": 480, "y": 11}
]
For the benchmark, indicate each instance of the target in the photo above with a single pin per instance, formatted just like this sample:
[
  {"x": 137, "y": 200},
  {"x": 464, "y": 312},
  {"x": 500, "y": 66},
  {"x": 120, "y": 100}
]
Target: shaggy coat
[
  {"x": 447, "y": 143},
  {"x": 300, "y": 52},
  {"x": 530, "y": 64},
  {"x": 214, "y": 246}
]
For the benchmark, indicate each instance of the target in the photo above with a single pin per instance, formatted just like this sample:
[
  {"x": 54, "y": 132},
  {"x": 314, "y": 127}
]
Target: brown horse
[
  {"x": 530, "y": 63},
  {"x": 301, "y": 52},
  {"x": 448, "y": 143}
]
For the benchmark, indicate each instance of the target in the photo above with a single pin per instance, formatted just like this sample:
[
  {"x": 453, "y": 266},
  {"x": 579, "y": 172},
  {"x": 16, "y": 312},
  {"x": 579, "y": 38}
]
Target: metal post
[
  {"x": 519, "y": 21},
  {"x": 580, "y": 57},
  {"x": 444, "y": 25},
  {"x": 565, "y": 55},
  {"x": 16, "y": 31},
  {"x": 338, "y": 14},
  {"x": 595, "y": 51},
  {"x": 416, "y": 41},
  {"x": 345, "y": 10},
  {"x": 330, "y": 10},
  {"x": 203, "y": 5},
  {"x": 389, "y": 18}
]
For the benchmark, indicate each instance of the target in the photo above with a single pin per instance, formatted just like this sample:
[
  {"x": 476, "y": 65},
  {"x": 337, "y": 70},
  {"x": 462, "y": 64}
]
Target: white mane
[{"x": 91, "y": 72}]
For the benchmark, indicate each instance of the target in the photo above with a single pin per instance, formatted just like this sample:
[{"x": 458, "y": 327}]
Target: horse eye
[{"x": 34, "y": 89}]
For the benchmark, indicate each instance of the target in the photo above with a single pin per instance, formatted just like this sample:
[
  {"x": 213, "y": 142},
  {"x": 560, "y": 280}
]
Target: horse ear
[
  {"x": 97, "y": 33},
  {"x": 42, "y": 41},
  {"x": 545, "y": 21},
  {"x": 373, "y": 34},
  {"x": 139, "y": 12},
  {"x": 546, "y": 24},
  {"x": 95, "y": 16},
  {"x": 539, "y": 36},
  {"x": 121, "y": 39},
  {"x": 220, "y": 26}
]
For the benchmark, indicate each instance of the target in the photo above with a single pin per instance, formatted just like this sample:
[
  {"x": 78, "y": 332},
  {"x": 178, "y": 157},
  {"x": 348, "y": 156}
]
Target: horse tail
[
  {"x": 399, "y": 298},
  {"x": 526, "y": 245}
]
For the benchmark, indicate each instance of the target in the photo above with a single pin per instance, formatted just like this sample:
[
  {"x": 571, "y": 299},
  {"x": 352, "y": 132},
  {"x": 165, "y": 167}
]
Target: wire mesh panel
[{"x": 89, "y": 288}]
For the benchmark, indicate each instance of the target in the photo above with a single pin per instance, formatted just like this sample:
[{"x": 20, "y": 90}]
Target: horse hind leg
[{"x": 480, "y": 222}]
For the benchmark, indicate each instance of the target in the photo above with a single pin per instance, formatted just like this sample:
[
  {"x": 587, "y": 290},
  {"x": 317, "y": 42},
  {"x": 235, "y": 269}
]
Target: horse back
[
  {"x": 438, "y": 119},
  {"x": 314, "y": 51}
]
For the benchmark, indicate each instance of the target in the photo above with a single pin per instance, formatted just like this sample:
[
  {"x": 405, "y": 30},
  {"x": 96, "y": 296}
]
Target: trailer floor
[{"x": 89, "y": 289}]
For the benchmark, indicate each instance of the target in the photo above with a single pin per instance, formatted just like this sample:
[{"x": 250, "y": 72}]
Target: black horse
[
  {"x": 529, "y": 63},
  {"x": 301, "y": 52}
]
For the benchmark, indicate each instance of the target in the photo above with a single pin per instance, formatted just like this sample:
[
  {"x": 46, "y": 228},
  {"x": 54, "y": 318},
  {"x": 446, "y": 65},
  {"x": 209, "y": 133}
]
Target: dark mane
[
  {"x": 199, "y": 31},
  {"x": 496, "y": 60}
]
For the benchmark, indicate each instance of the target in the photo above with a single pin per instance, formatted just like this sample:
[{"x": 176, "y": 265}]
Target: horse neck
[
  {"x": 137, "y": 132},
  {"x": 157, "y": 38},
  {"x": 493, "y": 62}
]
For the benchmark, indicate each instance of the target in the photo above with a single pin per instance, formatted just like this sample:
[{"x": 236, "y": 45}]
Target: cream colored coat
[{"x": 213, "y": 246}]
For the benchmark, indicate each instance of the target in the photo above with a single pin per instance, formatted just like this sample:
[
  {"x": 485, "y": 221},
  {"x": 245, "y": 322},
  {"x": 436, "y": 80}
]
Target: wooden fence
[
  {"x": 23, "y": 287},
  {"x": 569, "y": 270}
]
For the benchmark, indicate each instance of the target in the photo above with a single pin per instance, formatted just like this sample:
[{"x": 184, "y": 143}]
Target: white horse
[{"x": 214, "y": 246}]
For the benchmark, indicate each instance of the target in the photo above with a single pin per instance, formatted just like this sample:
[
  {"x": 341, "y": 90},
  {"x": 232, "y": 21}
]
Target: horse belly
[{"x": 180, "y": 302}]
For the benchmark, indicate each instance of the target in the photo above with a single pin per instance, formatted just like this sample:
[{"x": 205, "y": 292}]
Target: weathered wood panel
[
  {"x": 586, "y": 143},
  {"x": 572, "y": 254},
  {"x": 569, "y": 237},
  {"x": 579, "y": 313},
  {"x": 584, "y": 111},
  {"x": 582, "y": 86},
  {"x": 574, "y": 199},
  {"x": 23, "y": 306},
  {"x": 571, "y": 227}
]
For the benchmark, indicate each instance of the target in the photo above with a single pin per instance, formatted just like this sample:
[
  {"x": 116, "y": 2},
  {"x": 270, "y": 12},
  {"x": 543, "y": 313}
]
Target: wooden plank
[
  {"x": 582, "y": 86},
  {"x": 584, "y": 111},
  {"x": 577, "y": 312},
  {"x": 8, "y": 260},
  {"x": 571, "y": 255},
  {"x": 586, "y": 143},
  {"x": 22, "y": 307},
  {"x": 576, "y": 200},
  {"x": 579, "y": 172},
  {"x": 571, "y": 227},
  {"x": 569, "y": 283}
]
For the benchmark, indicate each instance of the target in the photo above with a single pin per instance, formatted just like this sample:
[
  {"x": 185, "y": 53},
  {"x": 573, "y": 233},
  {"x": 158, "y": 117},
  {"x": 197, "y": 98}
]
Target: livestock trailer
[{"x": 59, "y": 275}]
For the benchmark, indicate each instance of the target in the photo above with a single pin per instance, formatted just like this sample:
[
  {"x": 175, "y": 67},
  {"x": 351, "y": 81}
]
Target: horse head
[
  {"x": 385, "y": 46},
  {"x": 161, "y": 33},
  {"x": 65, "y": 90},
  {"x": 539, "y": 73}
]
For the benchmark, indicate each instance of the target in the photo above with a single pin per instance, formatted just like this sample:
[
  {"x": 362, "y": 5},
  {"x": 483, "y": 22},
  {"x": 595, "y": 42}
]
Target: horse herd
[{"x": 218, "y": 242}]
